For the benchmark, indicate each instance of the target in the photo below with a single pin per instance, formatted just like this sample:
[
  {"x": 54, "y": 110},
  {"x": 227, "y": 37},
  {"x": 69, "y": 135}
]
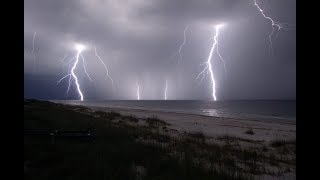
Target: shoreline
[
  {"x": 246, "y": 117},
  {"x": 212, "y": 126},
  {"x": 196, "y": 114}
]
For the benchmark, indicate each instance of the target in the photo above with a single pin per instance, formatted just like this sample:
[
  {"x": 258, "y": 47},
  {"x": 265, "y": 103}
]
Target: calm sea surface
[{"x": 276, "y": 111}]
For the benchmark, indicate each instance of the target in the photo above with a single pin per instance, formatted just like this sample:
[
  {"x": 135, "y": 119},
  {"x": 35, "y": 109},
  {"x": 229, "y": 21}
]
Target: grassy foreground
[{"x": 127, "y": 147}]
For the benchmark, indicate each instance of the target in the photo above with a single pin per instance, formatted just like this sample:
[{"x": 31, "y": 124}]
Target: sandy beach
[{"x": 214, "y": 126}]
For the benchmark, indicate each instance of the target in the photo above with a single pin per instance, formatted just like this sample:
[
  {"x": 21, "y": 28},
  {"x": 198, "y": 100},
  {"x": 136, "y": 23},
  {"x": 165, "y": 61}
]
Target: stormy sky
[{"x": 138, "y": 41}]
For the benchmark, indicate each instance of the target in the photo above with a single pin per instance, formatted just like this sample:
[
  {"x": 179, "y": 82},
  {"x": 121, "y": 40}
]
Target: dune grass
[{"x": 154, "y": 121}]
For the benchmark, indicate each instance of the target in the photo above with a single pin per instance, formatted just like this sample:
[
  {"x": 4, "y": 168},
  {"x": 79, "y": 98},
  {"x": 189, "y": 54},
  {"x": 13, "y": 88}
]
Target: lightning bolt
[
  {"x": 222, "y": 60},
  {"x": 34, "y": 55},
  {"x": 138, "y": 91},
  {"x": 85, "y": 66},
  {"x": 72, "y": 76},
  {"x": 183, "y": 43},
  {"x": 274, "y": 24},
  {"x": 75, "y": 77},
  {"x": 165, "y": 91},
  {"x": 75, "y": 60},
  {"x": 208, "y": 67},
  {"x": 105, "y": 67}
]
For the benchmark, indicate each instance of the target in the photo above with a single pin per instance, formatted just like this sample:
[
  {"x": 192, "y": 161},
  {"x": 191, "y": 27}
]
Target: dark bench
[{"x": 88, "y": 134}]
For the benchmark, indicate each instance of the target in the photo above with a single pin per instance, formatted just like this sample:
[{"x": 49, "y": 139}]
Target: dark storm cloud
[{"x": 137, "y": 38}]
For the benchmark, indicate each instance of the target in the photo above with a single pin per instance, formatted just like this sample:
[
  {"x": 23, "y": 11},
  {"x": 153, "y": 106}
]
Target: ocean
[{"x": 273, "y": 111}]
